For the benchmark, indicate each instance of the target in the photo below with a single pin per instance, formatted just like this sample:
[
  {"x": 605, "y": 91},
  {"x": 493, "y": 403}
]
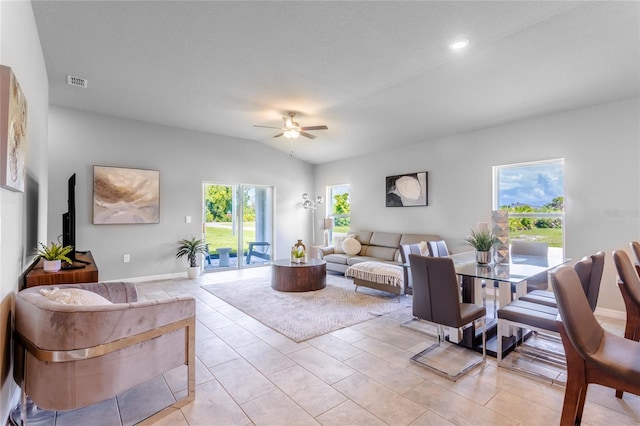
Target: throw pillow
[
  {"x": 424, "y": 249},
  {"x": 337, "y": 242},
  {"x": 74, "y": 296},
  {"x": 351, "y": 246}
]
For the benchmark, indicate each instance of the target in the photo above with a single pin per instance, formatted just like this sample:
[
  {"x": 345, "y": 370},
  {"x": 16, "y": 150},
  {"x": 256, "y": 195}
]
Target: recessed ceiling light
[{"x": 459, "y": 44}]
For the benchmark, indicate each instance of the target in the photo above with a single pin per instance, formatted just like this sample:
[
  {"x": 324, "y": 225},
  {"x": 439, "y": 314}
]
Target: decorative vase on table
[
  {"x": 483, "y": 257},
  {"x": 500, "y": 228}
]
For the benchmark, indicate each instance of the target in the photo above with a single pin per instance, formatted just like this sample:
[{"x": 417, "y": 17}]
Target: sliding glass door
[{"x": 238, "y": 225}]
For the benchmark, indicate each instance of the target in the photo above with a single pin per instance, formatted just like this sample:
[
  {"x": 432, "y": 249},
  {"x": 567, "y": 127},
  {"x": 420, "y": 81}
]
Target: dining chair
[
  {"x": 629, "y": 285},
  {"x": 635, "y": 247},
  {"x": 530, "y": 248},
  {"x": 436, "y": 299},
  {"x": 593, "y": 354},
  {"x": 438, "y": 248},
  {"x": 590, "y": 276}
]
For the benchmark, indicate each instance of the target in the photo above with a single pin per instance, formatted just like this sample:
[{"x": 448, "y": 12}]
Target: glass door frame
[{"x": 238, "y": 224}]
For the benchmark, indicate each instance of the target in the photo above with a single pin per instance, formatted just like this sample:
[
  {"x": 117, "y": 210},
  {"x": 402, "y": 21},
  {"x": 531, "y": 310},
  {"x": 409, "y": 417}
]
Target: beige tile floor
[{"x": 248, "y": 374}]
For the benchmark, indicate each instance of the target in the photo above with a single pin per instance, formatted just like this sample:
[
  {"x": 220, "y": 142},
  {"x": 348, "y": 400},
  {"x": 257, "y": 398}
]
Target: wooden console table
[{"x": 35, "y": 275}]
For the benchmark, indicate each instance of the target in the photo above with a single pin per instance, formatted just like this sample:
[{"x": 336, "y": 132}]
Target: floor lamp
[{"x": 310, "y": 204}]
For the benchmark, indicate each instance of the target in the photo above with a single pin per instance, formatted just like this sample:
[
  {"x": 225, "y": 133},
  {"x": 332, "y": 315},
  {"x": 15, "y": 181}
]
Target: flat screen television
[{"x": 69, "y": 225}]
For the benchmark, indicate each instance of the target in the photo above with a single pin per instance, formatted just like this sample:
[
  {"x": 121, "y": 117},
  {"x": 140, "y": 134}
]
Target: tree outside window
[{"x": 339, "y": 207}]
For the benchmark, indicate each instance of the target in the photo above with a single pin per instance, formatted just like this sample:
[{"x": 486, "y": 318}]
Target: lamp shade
[{"x": 328, "y": 224}]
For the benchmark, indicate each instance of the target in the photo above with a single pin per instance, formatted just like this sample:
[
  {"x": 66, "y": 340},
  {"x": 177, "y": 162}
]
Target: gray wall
[
  {"x": 78, "y": 140},
  {"x": 20, "y": 49},
  {"x": 601, "y": 147}
]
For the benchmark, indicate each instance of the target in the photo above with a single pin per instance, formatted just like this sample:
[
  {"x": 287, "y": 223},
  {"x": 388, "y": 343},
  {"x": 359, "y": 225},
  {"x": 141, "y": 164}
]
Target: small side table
[{"x": 224, "y": 255}]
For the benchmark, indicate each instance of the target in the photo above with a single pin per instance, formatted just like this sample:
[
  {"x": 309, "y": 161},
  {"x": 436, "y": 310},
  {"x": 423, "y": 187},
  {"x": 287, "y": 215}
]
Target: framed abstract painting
[
  {"x": 408, "y": 190},
  {"x": 13, "y": 132},
  {"x": 125, "y": 196}
]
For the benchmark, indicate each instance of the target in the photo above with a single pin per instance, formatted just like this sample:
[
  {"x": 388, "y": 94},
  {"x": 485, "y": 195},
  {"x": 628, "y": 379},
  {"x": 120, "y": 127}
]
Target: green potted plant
[
  {"x": 53, "y": 256},
  {"x": 298, "y": 253},
  {"x": 482, "y": 240},
  {"x": 191, "y": 249}
]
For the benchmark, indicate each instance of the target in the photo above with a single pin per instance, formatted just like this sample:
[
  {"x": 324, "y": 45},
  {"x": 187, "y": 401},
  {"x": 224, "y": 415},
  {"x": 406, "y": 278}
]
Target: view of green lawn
[
  {"x": 222, "y": 236},
  {"x": 553, "y": 236}
]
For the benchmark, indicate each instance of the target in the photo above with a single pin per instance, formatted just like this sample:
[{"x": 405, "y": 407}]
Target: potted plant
[
  {"x": 298, "y": 253},
  {"x": 53, "y": 256},
  {"x": 482, "y": 240},
  {"x": 192, "y": 248}
]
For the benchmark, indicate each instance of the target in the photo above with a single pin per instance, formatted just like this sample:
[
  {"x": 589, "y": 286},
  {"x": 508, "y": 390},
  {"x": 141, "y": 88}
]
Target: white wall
[
  {"x": 601, "y": 147},
  {"x": 20, "y": 49},
  {"x": 185, "y": 159}
]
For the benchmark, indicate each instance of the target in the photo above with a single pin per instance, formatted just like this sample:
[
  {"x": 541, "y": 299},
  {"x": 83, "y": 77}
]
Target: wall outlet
[
  {"x": 187, "y": 219},
  {"x": 126, "y": 258}
]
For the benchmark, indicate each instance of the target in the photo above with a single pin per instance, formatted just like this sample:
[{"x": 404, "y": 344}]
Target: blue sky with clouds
[{"x": 533, "y": 184}]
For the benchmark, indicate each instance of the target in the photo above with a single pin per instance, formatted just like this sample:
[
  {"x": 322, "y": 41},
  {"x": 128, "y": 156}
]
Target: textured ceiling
[{"x": 378, "y": 74}]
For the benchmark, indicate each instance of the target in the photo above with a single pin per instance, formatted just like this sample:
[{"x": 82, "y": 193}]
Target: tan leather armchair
[{"x": 70, "y": 356}]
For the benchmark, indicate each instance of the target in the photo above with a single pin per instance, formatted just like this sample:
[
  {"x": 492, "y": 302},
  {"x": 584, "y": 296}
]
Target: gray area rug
[{"x": 301, "y": 316}]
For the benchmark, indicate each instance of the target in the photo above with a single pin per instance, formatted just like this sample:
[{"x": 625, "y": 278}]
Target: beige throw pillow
[
  {"x": 74, "y": 296},
  {"x": 337, "y": 242},
  {"x": 351, "y": 246}
]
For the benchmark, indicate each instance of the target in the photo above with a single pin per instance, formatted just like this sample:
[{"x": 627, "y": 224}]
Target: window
[
  {"x": 533, "y": 194},
  {"x": 339, "y": 209}
]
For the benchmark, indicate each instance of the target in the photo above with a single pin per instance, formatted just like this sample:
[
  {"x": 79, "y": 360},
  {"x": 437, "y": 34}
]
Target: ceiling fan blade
[
  {"x": 267, "y": 127},
  {"x": 307, "y": 135},
  {"x": 314, "y": 128},
  {"x": 278, "y": 135}
]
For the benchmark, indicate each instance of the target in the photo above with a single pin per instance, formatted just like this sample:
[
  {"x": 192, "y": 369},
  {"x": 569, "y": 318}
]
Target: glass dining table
[
  {"x": 519, "y": 269},
  {"x": 505, "y": 275}
]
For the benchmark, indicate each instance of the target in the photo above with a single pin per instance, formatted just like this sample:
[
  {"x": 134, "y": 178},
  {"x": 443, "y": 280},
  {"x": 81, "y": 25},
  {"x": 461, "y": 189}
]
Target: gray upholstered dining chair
[
  {"x": 436, "y": 299},
  {"x": 593, "y": 354},
  {"x": 532, "y": 248},
  {"x": 590, "y": 274},
  {"x": 438, "y": 248}
]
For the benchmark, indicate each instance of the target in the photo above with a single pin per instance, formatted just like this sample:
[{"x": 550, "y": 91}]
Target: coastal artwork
[
  {"x": 408, "y": 190},
  {"x": 13, "y": 132},
  {"x": 125, "y": 196}
]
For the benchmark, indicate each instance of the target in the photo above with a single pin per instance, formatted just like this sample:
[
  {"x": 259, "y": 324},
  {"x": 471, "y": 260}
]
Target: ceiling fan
[{"x": 292, "y": 130}]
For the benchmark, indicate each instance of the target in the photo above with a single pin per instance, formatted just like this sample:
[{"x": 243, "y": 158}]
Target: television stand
[{"x": 85, "y": 273}]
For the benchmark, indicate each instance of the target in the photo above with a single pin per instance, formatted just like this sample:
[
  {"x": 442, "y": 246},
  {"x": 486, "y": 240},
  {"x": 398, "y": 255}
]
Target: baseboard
[
  {"x": 150, "y": 278},
  {"x": 610, "y": 313}
]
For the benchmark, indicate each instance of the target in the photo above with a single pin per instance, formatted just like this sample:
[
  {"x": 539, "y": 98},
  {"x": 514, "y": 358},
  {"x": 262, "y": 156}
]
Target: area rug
[{"x": 301, "y": 316}]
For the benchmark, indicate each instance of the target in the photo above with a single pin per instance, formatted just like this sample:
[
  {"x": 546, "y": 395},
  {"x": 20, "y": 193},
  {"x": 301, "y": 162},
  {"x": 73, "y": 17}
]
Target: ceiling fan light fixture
[{"x": 291, "y": 133}]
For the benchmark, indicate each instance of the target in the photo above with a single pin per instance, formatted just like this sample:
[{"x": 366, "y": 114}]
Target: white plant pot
[
  {"x": 193, "y": 272},
  {"x": 52, "y": 265}
]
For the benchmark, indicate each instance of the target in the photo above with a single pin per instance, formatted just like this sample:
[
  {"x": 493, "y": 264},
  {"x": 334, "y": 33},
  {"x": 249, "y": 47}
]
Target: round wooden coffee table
[{"x": 288, "y": 276}]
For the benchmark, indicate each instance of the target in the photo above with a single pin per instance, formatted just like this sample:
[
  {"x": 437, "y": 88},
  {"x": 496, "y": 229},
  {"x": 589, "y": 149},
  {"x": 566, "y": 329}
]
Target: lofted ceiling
[{"x": 378, "y": 74}]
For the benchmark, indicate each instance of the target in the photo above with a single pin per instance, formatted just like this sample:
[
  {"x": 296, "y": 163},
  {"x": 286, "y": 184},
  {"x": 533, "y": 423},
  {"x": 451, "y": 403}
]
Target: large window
[
  {"x": 339, "y": 209},
  {"x": 533, "y": 194}
]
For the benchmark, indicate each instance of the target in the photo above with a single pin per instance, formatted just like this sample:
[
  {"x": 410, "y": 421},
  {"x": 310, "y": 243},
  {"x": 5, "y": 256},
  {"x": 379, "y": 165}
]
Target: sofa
[
  {"x": 383, "y": 247},
  {"x": 375, "y": 246}
]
